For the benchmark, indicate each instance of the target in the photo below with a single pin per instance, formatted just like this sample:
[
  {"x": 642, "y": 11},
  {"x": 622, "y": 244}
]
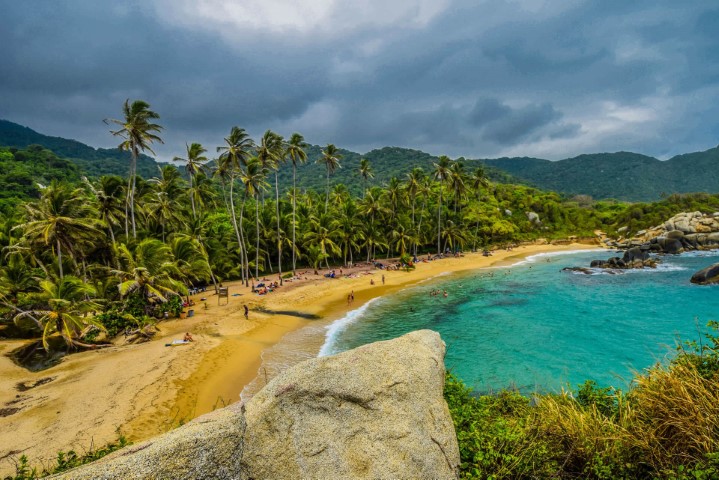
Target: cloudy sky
[{"x": 544, "y": 78}]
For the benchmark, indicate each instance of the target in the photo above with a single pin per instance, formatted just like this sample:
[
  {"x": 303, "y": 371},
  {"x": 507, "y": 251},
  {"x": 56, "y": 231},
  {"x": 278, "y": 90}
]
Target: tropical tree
[
  {"x": 441, "y": 173},
  {"x": 108, "y": 201},
  {"x": 138, "y": 132},
  {"x": 253, "y": 178},
  {"x": 331, "y": 158},
  {"x": 365, "y": 170},
  {"x": 274, "y": 149},
  {"x": 194, "y": 163},
  {"x": 233, "y": 155},
  {"x": 324, "y": 231},
  {"x": 64, "y": 307},
  {"x": 61, "y": 219},
  {"x": 295, "y": 151},
  {"x": 149, "y": 271}
]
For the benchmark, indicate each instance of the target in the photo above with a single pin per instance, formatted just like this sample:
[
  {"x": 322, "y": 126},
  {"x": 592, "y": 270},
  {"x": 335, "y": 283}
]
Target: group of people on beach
[{"x": 351, "y": 298}]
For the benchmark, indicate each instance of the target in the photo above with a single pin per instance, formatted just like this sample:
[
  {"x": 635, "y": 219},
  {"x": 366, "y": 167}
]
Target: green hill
[
  {"x": 91, "y": 161},
  {"x": 621, "y": 175}
]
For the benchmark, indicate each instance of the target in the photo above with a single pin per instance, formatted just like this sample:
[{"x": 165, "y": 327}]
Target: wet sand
[{"x": 145, "y": 389}]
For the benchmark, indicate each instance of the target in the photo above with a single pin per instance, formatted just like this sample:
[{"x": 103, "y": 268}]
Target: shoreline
[{"x": 143, "y": 390}]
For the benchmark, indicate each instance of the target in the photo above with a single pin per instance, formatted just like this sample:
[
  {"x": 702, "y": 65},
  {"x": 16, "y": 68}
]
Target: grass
[{"x": 665, "y": 426}]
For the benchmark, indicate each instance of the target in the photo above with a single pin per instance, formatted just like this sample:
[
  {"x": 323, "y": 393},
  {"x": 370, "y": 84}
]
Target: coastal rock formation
[
  {"x": 707, "y": 276},
  {"x": 373, "y": 412},
  {"x": 684, "y": 231}
]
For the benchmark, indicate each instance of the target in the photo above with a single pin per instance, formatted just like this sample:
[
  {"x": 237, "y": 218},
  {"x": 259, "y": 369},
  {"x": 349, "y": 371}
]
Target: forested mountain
[
  {"x": 621, "y": 175},
  {"x": 92, "y": 161}
]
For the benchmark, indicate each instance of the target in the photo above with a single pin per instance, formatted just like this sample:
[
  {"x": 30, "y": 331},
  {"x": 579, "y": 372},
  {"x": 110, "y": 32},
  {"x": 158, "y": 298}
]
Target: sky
[{"x": 475, "y": 78}]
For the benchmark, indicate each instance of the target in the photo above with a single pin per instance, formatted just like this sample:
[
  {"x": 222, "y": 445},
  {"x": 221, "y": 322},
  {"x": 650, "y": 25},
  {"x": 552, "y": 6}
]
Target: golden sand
[{"x": 145, "y": 389}]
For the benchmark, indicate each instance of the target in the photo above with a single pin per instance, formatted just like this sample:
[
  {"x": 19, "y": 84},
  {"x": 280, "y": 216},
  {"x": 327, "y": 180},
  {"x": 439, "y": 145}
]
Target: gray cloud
[{"x": 476, "y": 79}]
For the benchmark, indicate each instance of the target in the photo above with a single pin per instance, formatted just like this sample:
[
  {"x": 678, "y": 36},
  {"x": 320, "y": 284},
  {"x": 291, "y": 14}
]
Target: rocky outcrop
[
  {"x": 684, "y": 231},
  {"x": 373, "y": 412},
  {"x": 707, "y": 276},
  {"x": 635, "y": 257}
]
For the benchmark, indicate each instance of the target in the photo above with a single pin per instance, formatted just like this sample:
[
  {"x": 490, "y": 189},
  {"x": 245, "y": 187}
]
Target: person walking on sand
[
  {"x": 247, "y": 312},
  {"x": 352, "y": 297},
  {"x": 383, "y": 279}
]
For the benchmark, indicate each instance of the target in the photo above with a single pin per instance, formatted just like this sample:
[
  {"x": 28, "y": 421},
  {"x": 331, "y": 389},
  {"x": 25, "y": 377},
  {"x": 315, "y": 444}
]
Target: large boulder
[
  {"x": 373, "y": 412},
  {"x": 209, "y": 447},
  {"x": 634, "y": 254},
  {"x": 707, "y": 276}
]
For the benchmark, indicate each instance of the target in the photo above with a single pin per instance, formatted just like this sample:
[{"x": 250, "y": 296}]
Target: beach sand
[{"x": 145, "y": 389}]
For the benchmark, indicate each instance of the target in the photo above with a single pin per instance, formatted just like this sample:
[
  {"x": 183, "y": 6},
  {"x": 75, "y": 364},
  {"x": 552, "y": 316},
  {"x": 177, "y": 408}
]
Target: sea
[{"x": 532, "y": 326}]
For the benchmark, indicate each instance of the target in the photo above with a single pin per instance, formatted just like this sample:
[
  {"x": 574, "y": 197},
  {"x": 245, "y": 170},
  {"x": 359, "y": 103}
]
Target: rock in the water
[
  {"x": 373, "y": 412},
  {"x": 707, "y": 276}
]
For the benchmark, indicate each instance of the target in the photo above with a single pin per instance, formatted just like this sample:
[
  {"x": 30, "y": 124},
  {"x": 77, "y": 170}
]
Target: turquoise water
[{"x": 533, "y": 327}]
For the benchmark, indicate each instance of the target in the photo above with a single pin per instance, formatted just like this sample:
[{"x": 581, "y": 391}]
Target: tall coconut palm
[
  {"x": 457, "y": 184},
  {"x": 108, "y": 193},
  {"x": 414, "y": 178},
  {"x": 331, "y": 158},
  {"x": 441, "y": 173},
  {"x": 365, "y": 171},
  {"x": 139, "y": 132},
  {"x": 62, "y": 219},
  {"x": 295, "y": 151},
  {"x": 193, "y": 165},
  {"x": 233, "y": 155},
  {"x": 478, "y": 181},
  {"x": 323, "y": 232},
  {"x": 272, "y": 147},
  {"x": 64, "y": 307},
  {"x": 253, "y": 178}
]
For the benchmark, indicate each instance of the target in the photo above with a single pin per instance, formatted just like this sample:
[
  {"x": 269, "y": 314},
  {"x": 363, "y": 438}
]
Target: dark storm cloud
[{"x": 477, "y": 79}]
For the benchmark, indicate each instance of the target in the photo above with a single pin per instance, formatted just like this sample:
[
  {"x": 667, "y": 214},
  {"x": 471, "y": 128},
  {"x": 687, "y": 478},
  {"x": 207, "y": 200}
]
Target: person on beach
[
  {"x": 383, "y": 279},
  {"x": 371, "y": 281},
  {"x": 247, "y": 312},
  {"x": 352, "y": 297},
  {"x": 188, "y": 338}
]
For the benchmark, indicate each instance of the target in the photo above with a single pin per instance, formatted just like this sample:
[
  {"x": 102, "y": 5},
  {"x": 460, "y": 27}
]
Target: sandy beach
[{"x": 142, "y": 390}]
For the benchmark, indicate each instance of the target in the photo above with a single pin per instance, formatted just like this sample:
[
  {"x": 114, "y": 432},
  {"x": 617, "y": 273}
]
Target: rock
[
  {"x": 683, "y": 225},
  {"x": 508, "y": 212},
  {"x": 707, "y": 276},
  {"x": 635, "y": 254},
  {"x": 208, "y": 447},
  {"x": 641, "y": 232},
  {"x": 676, "y": 234},
  {"x": 533, "y": 218},
  {"x": 373, "y": 412},
  {"x": 670, "y": 245},
  {"x": 622, "y": 229}
]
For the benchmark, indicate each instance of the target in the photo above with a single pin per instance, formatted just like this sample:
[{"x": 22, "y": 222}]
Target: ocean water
[{"x": 533, "y": 327}]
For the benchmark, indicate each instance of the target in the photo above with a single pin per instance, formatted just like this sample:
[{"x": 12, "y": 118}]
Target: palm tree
[
  {"x": 107, "y": 195},
  {"x": 65, "y": 304},
  {"x": 456, "y": 183},
  {"x": 323, "y": 232},
  {"x": 150, "y": 271},
  {"x": 478, "y": 181},
  {"x": 365, "y": 170},
  {"x": 272, "y": 148},
  {"x": 414, "y": 178},
  {"x": 193, "y": 165},
  {"x": 295, "y": 150},
  {"x": 138, "y": 133},
  {"x": 62, "y": 219},
  {"x": 331, "y": 158},
  {"x": 233, "y": 155},
  {"x": 190, "y": 258},
  {"x": 441, "y": 173},
  {"x": 253, "y": 178}
]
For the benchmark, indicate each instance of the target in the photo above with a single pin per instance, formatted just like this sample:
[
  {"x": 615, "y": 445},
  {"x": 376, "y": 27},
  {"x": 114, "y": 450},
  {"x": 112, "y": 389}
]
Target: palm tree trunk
[
  {"x": 192, "y": 200},
  {"x": 59, "y": 257},
  {"x": 419, "y": 226},
  {"x": 257, "y": 242},
  {"x": 279, "y": 236},
  {"x": 234, "y": 224},
  {"x": 245, "y": 256},
  {"x": 439, "y": 219},
  {"x": 133, "y": 168},
  {"x": 327, "y": 197},
  {"x": 294, "y": 218}
]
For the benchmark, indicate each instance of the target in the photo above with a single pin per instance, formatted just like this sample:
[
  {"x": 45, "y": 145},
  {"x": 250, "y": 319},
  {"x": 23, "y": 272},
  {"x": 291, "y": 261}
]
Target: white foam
[
  {"x": 537, "y": 256},
  {"x": 334, "y": 329}
]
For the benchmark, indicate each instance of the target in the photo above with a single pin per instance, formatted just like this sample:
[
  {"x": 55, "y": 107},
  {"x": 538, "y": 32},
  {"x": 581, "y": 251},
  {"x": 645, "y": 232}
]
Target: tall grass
[{"x": 665, "y": 426}]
